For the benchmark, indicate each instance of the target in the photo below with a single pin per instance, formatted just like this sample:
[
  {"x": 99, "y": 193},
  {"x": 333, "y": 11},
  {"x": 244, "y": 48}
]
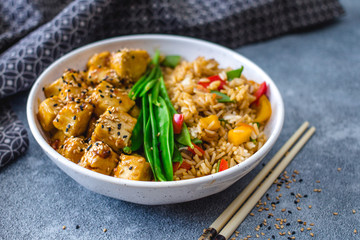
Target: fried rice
[{"x": 195, "y": 102}]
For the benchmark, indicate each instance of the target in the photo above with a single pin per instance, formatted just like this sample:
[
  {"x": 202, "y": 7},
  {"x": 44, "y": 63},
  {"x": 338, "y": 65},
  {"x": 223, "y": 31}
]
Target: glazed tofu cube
[
  {"x": 114, "y": 128},
  {"x": 91, "y": 127},
  {"x": 95, "y": 75},
  {"x": 69, "y": 77},
  {"x": 105, "y": 95},
  {"x": 99, "y": 60},
  {"x": 57, "y": 140},
  {"x": 130, "y": 64},
  {"x": 73, "y": 90},
  {"x": 73, "y": 119},
  {"x": 99, "y": 158},
  {"x": 133, "y": 167},
  {"x": 48, "y": 109},
  {"x": 53, "y": 89},
  {"x": 135, "y": 111},
  {"x": 73, "y": 149}
]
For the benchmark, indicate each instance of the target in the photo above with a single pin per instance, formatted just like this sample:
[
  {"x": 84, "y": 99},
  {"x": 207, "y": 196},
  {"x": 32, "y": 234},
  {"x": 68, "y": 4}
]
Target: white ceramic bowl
[{"x": 154, "y": 193}]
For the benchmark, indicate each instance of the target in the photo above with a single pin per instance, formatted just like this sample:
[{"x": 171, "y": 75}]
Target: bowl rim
[{"x": 150, "y": 184}]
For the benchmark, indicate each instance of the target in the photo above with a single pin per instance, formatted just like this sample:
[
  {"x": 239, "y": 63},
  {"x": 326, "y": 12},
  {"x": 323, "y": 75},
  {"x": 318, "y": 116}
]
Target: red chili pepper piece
[
  {"x": 261, "y": 91},
  {"x": 184, "y": 165},
  {"x": 198, "y": 148},
  {"x": 178, "y": 120},
  {"x": 213, "y": 79},
  {"x": 223, "y": 165}
]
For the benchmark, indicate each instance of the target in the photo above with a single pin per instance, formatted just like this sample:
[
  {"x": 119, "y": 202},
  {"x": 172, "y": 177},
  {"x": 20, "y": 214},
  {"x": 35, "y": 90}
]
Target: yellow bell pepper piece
[
  {"x": 211, "y": 122},
  {"x": 263, "y": 109},
  {"x": 240, "y": 134}
]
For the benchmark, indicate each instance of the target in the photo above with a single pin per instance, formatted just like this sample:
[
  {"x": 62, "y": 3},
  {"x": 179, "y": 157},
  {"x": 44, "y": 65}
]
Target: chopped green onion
[
  {"x": 223, "y": 97},
  {"x": 218, "y": 165},
  {"x": 127, "y": 150},
  {"x": 253, "y": 140},
  {"x": 171, "y": 61},
  {"x": 234, "y": 73},
  {"x": 258, "y": 124}
]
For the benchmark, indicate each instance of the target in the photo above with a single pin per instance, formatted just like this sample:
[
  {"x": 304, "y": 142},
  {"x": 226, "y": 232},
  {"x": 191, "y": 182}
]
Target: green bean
[
  {"x": 146, "y": 77},
  {"x": 184, "y": 136},
  {"x": 171, "y": 132},
  {"x": 137, "y": 135},
  {"x": 155, "y": 93},
  {"x": 138, "y": 83},
  {"x": 151, "y": 76},
  {"x": 163, "y": 125},
  {"x": 147, "y": 136},
  {"x": 156, "y": 57},
  {"x": 155, "y": 150},
  {"x": 148, "y": 87}
]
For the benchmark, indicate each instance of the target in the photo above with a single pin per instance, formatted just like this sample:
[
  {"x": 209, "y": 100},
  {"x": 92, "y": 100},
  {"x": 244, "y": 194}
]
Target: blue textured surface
[{"x": 317, "y": 73}]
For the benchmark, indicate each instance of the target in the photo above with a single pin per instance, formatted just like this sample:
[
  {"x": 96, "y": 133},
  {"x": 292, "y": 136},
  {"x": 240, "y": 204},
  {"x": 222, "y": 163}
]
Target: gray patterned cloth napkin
[{"x": 34, "y": 33}]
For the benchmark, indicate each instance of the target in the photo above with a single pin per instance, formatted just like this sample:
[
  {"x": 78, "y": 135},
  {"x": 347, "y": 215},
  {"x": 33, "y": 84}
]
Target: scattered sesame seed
[
  {"x": 355, "y": 231},
  {"x": 339, "y": 169},
  {"x": 311, "y": 234},
  {"x": 335, "y": 213},
  {"x": 74, "y": 117},
  {"x": 310, "y": 206},
  {"x": 64, "y": 227},
  {"x": 118, "y": 133},
  {"x": 131, "y": 167},
  {"x": 109, "y": 129},
  {"x": 102, "y": 96},
  {"x": 119, "y": 126},
  {"x": 125, "y": 136},
  {"x": 77, "y": 227},
  {"x": 353, "y": 211},
  {"x": 104, "y": 230}
]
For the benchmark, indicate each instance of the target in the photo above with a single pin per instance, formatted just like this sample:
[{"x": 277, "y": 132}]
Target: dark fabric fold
[{"x": 37, "y": 37}]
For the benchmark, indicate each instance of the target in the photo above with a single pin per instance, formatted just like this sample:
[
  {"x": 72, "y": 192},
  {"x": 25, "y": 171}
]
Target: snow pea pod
[
  {"x": 148, "y": 87},
  {"x": 147, "y": 135},
  {"x": 155, "y": 150},
  {"x": 139, "y": 89},
  {"x": 163, "y": 125},
  {"x": 177, "y": 156},
  {"x": 137, "y": 134},
  {"x": 184, "y": 136},
  {"x": 138, "y": 83},
  {"x": 155, "y": 93}
]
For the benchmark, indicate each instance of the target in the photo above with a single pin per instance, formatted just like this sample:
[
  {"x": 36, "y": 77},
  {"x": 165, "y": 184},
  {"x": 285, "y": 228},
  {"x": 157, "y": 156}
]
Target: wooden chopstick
[
  {"x": 237, "y": 219},
  {"x": 214, "y": 228}
]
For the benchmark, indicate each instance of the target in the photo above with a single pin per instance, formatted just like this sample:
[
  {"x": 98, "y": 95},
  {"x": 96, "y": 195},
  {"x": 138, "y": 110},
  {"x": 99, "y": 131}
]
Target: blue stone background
[{"x": 318, "y": 74}]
